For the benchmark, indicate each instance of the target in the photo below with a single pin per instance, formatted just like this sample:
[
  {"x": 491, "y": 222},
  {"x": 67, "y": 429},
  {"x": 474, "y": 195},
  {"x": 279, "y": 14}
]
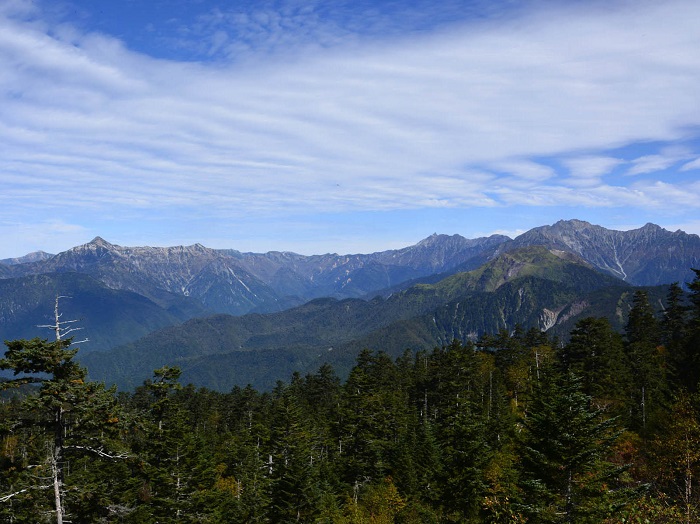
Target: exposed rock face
[
  {"x": 36, "y": 256},
  {"x": 646, "y": 256},
  {"x": 232, "y": 282},
  {"x": 228, "y": 281}
]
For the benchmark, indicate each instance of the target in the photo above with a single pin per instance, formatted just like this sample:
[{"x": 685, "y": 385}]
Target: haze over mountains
[{"x": 124, "y": 295}]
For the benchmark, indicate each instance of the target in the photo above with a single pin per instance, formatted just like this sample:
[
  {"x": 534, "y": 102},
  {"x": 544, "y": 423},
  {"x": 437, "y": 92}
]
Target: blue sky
[{"x": 342, "y": 126}]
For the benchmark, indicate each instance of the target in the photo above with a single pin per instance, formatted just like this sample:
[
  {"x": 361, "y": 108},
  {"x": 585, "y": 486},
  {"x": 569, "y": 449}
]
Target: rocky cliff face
[
  {"x": 228, "y": 281},
  {"x": 646, "y": 256}
]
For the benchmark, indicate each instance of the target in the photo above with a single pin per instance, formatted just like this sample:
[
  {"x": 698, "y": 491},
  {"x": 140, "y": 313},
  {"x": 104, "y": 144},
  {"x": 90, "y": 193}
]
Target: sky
[{"x": 345, "y": 126}]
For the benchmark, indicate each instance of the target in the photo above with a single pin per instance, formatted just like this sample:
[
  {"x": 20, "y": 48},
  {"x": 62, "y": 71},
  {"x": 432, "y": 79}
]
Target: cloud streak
[{"x": 457, "y": 118}]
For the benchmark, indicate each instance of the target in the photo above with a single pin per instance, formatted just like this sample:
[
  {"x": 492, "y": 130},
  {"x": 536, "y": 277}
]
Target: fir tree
[
  {"x": 674, "y": 336},
  {"x": 648, "y": 390},
  {"x": 566, "y": 477},
  {"x": 67, "y": 417},
  {"x": 595, "y": 352}
]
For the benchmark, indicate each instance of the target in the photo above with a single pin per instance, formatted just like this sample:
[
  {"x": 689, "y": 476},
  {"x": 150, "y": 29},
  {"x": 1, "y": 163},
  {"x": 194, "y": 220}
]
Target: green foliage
[
  {"x": 67, "y": 419},
  {"x": 648, "y": 388},
  {"x": 595, "y": 352},
  {"x": 566, "y": 477},
  {"x": 519, "y": 427},
  {"x": 531, "y": 287}
]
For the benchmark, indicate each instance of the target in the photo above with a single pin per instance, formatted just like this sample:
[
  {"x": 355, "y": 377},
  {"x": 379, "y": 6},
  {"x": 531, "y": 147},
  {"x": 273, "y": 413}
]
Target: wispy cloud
[
  {"x": 588, "y": 171},
  {"x": 451, "y": 118},
  {"x": 663, "y": 160},
  {"x": 692, "y": 165}
]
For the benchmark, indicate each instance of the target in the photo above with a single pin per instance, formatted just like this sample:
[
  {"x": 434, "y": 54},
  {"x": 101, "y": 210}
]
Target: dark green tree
[
  {"x": 648, "y": 389},
  {"x": 566, "y": 476},
  {"x": 461, "y": 424},
  {"x": 691, "y": 353},
  {"x": 674, "y": 336},
  {"x": 595, "y": 352},
  {"x": 167, "y": 448},
  {"x": 296, "y": 460},
  {"x": 66, "y": 418},
  {"x": 373, "y": 413}
]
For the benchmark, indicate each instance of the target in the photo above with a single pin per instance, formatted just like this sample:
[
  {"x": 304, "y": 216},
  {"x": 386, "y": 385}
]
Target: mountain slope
[
  {"x": 231, "y": 282},
  {"x": 530, "y": 286},
  {"x": 108, "y": 317},
  {"x": 31, "y": 257},
  {"x": 646, "y": 256},
  {"x": 228, "y": 281}
]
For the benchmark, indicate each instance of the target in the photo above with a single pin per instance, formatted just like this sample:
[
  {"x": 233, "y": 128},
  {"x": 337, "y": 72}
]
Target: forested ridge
[{"x": 517, "y": 427}]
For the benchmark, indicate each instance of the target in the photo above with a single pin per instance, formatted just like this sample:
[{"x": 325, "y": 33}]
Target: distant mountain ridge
[
  {"x": 36, "y": 256},
  {"x": 192, "y": 281},
  {"x": 646, "y": 256},
  {"x": 530, "y": 286},
  {"x": 227, "y": 281}
]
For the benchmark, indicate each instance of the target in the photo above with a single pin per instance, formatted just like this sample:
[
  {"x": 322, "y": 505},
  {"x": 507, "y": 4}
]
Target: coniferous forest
[{"x": 517, "y": 427}]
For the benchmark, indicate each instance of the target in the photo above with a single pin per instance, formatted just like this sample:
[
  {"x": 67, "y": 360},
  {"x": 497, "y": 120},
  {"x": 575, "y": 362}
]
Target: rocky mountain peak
[
  {"x": 36, "y": 256},
  {"x": 233, "y": 282},
  {"x": 100, "y": 242},
  {"x": 573, "y": 223}
]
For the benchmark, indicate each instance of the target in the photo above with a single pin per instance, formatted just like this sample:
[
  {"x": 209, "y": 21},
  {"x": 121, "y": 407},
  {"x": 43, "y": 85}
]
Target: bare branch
[
  {"x": 59, "y": 326},
  {"x": 99, "y": 452},
  {"x": 8, "y": 497}
]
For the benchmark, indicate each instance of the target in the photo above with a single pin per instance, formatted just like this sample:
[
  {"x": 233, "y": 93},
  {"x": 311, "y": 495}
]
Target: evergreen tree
[
  {"x": 461, "y": 426},
  {"x": 295, "y": 487},
  {"x": 691, "y": 353},
  {"x": 67, "y": 417},
  {"x": 674, "y": 336},
  {"x": 169, "y": 451},
  {"x": 373, "y": 415},
  {"x": 595, "y": 352},
  {"x": 676, "y": 457},
  {"x": 648, "y": 388},
  {"x": 566, "y": 477}
]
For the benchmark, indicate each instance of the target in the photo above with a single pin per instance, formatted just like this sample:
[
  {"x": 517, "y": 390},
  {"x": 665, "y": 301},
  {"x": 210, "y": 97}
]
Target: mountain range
[{"x": 231, "y": 318}]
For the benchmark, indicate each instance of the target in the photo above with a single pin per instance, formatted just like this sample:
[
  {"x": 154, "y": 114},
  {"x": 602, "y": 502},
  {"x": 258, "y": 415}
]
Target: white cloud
[
  {"x": 694, "y": 164},
  {"x": 650, "y": 164},
  {"x": 588, "y": 171},
  {"x": 51, "y": 236},
  {"x": 529, "y": 171},
  {"x": 660, "y": 194},
  {"x": 370, "y": 127}
]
